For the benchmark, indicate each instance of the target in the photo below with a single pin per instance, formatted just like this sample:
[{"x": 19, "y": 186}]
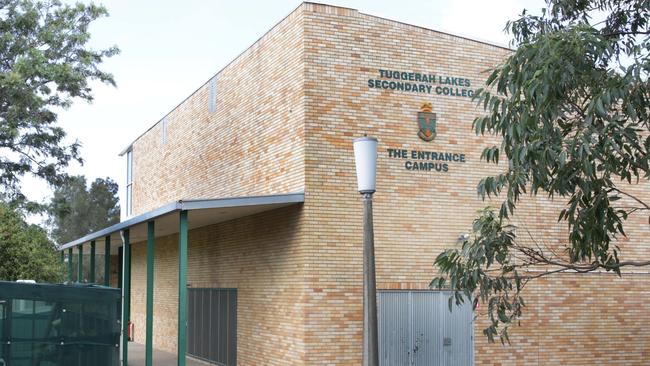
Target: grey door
[
  {"x": 416, "y": 328},
  {"x": 212, "y": 325}
]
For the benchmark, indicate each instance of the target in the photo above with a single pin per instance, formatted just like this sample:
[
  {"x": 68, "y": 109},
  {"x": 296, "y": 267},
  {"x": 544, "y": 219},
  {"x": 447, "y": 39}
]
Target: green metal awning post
[
  {"x": 80, "y": 270},
  {"x": 182, "y": 288},
  {"x": 69, "y": 264},
  {"x": 91, "y": 276},
  {"x": 149, "y": 316},
  {"x": 107, "y": 260},
  {"x": 126, "y": 293},
  {"x": 62, "y": 257}
]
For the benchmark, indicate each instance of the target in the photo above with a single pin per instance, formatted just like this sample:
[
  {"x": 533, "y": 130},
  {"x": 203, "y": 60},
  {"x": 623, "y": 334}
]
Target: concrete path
[{"x": 160, "y": 358}]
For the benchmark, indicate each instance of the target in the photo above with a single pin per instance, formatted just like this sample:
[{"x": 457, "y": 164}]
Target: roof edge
[
  {"x": 297, "y": 8},
  {"x": 171, "y": 207},
  {"x": 191, "y": 204},
  {"x": 301, "y": 5},
  {"x": 356, "y": 12}
]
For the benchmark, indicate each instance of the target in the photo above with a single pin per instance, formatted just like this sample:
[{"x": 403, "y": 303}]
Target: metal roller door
[
  {"x": 417, "y": 329},
  {"x": 212, "y": 325}
]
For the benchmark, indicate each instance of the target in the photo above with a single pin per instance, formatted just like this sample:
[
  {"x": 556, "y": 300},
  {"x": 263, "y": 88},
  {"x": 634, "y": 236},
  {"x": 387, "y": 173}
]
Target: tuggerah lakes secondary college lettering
[
  {"x": 426, "y": 160},
  {"x": 422, "y": 83}
]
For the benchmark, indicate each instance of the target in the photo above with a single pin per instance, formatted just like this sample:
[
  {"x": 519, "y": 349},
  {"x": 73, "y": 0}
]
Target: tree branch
[
  {"x": 647, "y": 207},
  {"x": 616, "y": 34}
]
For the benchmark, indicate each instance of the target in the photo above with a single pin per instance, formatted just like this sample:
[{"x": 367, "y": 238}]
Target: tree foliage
[
  {"x": 76, "y": 210},
  {"x": 45, "y": 63},
  {"x": 25, "y": 250},
  {"x": 571, "y": 105}
]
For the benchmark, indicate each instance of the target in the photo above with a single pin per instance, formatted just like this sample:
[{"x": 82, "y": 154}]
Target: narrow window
[
  {"x": 212, "y": 95},
  {"x": 129, "y": 183},
  {"x": 163, "y": 131}
]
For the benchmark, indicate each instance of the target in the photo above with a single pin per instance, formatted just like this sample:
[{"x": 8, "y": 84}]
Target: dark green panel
[
  {"x": 80, "y": 271},
  {"x": 58, "y": 325},
  {"x": 91, "y": 275},
  {"x": 126, "y": 290},
  {"x": 69, "y": 264},
  {"x": 182, "y": 288},
  {"x": 107, "y": 261},
  {"x": 149, "y": 316}
]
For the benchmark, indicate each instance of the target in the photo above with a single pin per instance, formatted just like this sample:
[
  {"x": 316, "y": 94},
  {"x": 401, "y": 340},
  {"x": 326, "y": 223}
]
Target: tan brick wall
[
  {"x": 418, "y": 214},
  {"x": 298, "y": 270},
  {"x": 595, "y": 319},
  {"x": 251, "y": 145},
  {"x": 261, "y": 257}
]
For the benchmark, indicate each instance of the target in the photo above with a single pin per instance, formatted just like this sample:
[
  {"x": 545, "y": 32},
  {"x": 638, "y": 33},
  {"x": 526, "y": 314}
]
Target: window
[
  {"x": 129, "y": 183},
  {"x": 163, "y": 131},
  {"x": 212, "y": 95}
]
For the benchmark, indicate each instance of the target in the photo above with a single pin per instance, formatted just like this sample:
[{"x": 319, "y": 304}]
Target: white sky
[{"x": 170, "y": 48}]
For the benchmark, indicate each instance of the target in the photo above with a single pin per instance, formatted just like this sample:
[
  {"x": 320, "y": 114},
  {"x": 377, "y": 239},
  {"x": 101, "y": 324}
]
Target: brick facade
[
  {"x": 287, "y": 110},
  {"x": 252, "y": 144}
]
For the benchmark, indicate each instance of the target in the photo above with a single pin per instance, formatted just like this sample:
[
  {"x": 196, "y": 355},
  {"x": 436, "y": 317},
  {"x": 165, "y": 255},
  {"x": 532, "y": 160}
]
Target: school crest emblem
[{"x": 427, "y": 122}]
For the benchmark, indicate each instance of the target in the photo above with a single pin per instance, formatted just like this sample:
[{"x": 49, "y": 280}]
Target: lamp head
[{"x": 365, "y": 158}]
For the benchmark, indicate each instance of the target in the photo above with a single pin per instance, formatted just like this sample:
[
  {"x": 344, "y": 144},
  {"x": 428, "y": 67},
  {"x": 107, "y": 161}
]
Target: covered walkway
[{"x": 175, "y": 218}]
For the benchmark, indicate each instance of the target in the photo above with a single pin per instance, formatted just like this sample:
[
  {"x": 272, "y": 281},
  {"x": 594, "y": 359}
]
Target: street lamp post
[{"x": 365, "y": 157}]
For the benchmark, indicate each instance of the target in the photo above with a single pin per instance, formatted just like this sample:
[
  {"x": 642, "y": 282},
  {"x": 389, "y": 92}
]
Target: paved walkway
[{"x": 160, "y": 358}]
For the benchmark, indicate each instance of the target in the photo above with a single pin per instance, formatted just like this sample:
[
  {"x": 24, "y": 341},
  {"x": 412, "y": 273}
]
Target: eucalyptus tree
[
  {"x": 76, "y": 210},
  {"x": 45, "y": 63},
  {"x": 571, "y": 106}
]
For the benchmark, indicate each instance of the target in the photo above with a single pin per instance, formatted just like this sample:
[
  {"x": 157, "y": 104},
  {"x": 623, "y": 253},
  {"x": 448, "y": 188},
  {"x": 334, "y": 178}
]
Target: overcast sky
[{"x": 170, "y": 48}]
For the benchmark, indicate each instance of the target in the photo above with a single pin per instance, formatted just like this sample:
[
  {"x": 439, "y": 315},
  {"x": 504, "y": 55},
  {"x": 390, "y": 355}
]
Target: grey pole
[{"x": 370, "y": 338}]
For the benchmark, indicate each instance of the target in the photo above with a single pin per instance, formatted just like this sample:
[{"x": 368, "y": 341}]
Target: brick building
[{"x": 253, "y": 175}]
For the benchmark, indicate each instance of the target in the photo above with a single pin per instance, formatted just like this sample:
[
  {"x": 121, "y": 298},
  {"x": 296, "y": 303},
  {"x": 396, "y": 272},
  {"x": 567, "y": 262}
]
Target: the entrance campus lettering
[{"x": 432, "y": 161}]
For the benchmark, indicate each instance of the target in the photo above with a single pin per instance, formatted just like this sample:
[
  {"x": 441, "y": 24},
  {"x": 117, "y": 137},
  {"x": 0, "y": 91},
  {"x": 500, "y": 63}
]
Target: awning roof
[{"x": 202, "y": 212}]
